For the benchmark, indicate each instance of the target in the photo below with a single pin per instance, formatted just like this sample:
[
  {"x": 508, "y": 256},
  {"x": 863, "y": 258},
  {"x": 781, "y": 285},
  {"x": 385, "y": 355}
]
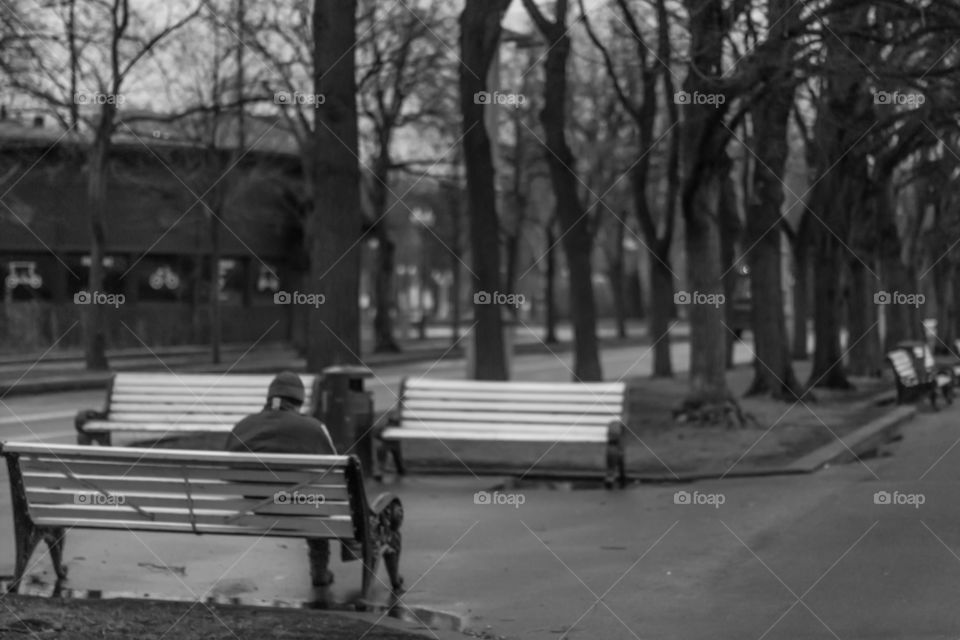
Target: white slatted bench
[
  {"x": 56, "y": 488},
  {"x": 167, "y": 403},
  {"x": 925, "y": 365},
  {"x": 913, "y": 384},
  {"x": 507, "y": 413}
]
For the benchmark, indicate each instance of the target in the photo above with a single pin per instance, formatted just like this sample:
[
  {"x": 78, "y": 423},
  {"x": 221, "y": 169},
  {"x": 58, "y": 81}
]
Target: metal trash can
[{"x": 347, "y": 411}]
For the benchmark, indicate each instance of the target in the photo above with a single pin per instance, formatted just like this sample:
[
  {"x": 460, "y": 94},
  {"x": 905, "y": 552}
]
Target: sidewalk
[{"x": 65, "y": 370}]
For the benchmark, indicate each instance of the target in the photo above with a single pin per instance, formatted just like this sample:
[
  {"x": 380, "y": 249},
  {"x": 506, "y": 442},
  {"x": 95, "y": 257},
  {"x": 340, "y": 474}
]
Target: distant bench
[
  {"x": 168, "y": 403},
  {"x": 508, "y": 413},
  {"x": 917, "y": 376},
  {"x": 56, "y": 488}
]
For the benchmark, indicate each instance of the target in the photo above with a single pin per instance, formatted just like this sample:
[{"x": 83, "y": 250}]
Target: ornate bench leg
[
  {"x": 615, "y": 456},
  {"x": 392, "y": 542},
  {"x": 371, "y": 560},
  {"x": 397, "y": 454},
  {"x": 27, "y": 539},
  {"x": 54, "y": 539}
]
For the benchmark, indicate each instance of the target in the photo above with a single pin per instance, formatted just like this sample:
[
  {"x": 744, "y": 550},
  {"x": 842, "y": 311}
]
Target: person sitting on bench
[{"x": 281, "y": 428}]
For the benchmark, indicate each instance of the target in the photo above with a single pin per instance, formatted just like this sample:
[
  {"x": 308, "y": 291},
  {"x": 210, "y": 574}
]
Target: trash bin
[{"x": 347, "y": 411}]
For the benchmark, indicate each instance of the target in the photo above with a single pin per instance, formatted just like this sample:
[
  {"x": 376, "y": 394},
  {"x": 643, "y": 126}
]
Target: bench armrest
[
  {"x": 82, "y": 418},
  {"x": 616, "y": 454},
  {"x": 86, "y": 415}
]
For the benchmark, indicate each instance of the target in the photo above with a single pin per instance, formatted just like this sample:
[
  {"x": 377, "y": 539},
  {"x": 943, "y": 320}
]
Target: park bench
[
  {"x": 926, "y": 364},
  {"x": 56, "y": 488},
  {"x": 507, "y": 413},
  {"x": 915, "y": 381},
  {"x": 175, "y": 404}
]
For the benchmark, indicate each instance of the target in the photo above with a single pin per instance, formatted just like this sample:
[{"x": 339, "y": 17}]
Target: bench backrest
[
  {"x": 488, "y": 405},
  {"x": 194, "y": 398},
  {"x": 903, "y": 367},
  {"x": 191, "y": 491}
]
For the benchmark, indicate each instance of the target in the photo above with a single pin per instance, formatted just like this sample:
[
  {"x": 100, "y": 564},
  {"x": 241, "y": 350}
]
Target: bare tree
[
  {"x": 654, "y": 70},
  {"x": 335, "y": 227},
  {"x": 576, "y": 234},
  {"x": 104, "y": 44},
  {"x": 402, "y": 79},
  {"x": 479, "y": 38}
]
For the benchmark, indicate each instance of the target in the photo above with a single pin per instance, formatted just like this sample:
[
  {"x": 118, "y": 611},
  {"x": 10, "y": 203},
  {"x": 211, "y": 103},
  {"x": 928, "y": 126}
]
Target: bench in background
[
  {"x": 914, "y": 382},
  {"x": 508, "y": 413},
  {"x": 167, "y": 403},
  {"x": 56, "y": 488}
]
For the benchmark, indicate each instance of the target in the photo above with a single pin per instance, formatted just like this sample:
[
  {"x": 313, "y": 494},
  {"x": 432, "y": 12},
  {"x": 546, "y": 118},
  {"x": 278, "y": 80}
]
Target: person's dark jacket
[{"x": 280, "y": 431}]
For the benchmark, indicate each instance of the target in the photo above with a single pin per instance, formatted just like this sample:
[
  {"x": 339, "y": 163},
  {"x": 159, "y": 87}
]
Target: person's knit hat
[{"x": 287, "y": 385}]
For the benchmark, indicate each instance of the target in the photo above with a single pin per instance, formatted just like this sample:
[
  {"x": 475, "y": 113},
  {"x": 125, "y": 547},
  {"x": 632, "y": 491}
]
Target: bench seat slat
[
  {"x": 516, "y": 386},
  {"x": 166, "y": 487},
  {"x": 193, "y": 417},
  {"x": 451, "y": 395},
  {"x": 202, "y": 499},
  {"x": 481, "y": 433},
  {"x": 83, "y": 452},
  {"x": 342, "y": 530},
  {"x": 198, "y": 393},
  {"x": 558, "y": 419},
  {"x": 181, "y": 511},
  {"x": 588, "y": 407},
  {"x": 201, "y": 406},
  {"x": 271, "y": 526},
  {"x": 498, "y": 427},
  {"x": 97, "y": 426},
  {"x": 160, "y": 395},
  {"x": 203, "y": 379},
  {"x": 164, "y": 472}
]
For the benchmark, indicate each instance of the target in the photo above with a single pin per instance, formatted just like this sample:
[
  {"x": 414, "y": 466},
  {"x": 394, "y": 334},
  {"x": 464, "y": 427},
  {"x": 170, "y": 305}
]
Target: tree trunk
[
  {"x": 479, "y": 39},
  {"x": 549, "y": 287},
  {"x": 95, "y": 342},
  {"x": 335, "y": 226},
  {"x": 384, "y": 291},
  {"x": 730, "y": 227},
  {"x": 661, "y": 311},
  {"x": 801, "y": 292},
  {"x": 453, "y": 199},
  {"x": 773, "y": 368},
  {"x": 895, "y": 274},
  {"x": 864, "y": 348},
  {"x": 215, "y": 323},
  {"x": 828, "y": 370},
  {"x": 576, "y": 234},
  {"x": 708, "y": 362},
  {"x": 703, "y": 142},
  {"x": 618, "y": 283}
]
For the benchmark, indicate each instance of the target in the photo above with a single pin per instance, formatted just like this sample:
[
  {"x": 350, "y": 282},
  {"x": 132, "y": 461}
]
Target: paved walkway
[{"x": 65, "y": 370}]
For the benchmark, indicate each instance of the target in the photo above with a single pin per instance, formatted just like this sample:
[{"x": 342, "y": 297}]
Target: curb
[
  {"x": 857, "y": 443},
  {"x": 55, "y": 385},
  {"x": 847, "y": 449}
]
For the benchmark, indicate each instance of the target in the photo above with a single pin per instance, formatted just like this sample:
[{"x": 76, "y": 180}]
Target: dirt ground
[
  {"x": 65, "y": 619},
  {"x": 781, "y": 431}
]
